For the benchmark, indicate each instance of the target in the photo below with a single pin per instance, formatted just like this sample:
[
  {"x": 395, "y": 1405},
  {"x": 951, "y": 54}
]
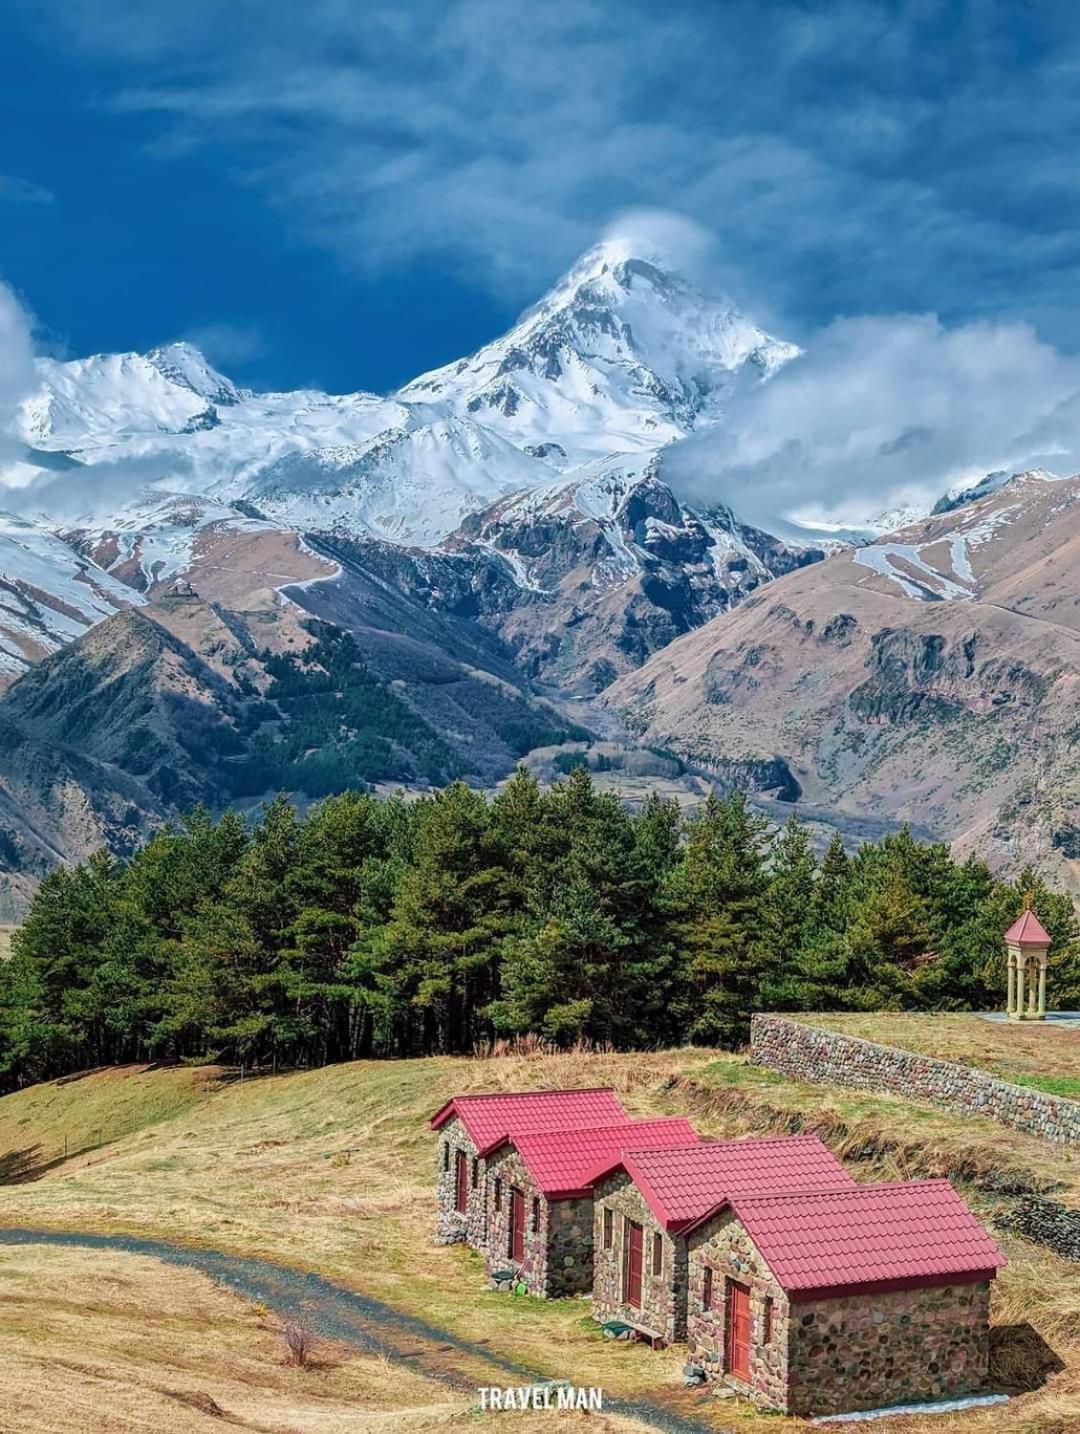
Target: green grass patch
[{"x": 1068, "y": 1086}]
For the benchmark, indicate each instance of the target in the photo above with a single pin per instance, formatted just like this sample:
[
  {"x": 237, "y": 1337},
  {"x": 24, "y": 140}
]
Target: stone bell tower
[{"x": 1027, "y": 944}]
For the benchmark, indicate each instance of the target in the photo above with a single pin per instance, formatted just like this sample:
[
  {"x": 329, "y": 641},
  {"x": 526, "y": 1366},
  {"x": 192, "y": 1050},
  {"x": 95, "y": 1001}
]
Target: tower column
[
  {"x": 1042, "y": 988},
  {"x": 1010, "y": 1005},
  {"x": 1020, "y": 963}
]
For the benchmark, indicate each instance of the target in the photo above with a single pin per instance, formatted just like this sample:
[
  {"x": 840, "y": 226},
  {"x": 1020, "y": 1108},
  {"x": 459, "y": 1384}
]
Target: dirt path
[{"x": 336, "y": 1313}]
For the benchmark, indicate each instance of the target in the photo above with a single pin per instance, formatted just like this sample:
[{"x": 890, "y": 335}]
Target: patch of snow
[{"x": 877, "y": 558}]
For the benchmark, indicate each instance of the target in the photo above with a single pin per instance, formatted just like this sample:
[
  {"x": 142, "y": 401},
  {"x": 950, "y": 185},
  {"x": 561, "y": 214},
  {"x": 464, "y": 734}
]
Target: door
[
  {"x": 461, "y": 1175},
  {"x": 738, "y": 1331},
  {"x": 632, "y": 1264},
  {"x": 517, "y": 1225}
]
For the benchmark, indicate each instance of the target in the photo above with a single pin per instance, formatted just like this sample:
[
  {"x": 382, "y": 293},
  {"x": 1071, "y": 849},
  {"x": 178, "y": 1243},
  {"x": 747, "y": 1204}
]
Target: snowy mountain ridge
[{"x": 621, "y": 357}]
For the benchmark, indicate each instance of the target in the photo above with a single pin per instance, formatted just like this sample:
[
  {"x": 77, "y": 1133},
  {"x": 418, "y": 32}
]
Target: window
[
  {"x": 461, "y": 1182},
  {"x": 475, "y": 1172},
  {"x": 768, "y": 1321},
  {"x": 536, "y": 1215},
  {"x": 608, "y": 1229},
  {"x": 498, "y": 1194},
  {"x": 658, "y": 1254},
  {"x": 706, "y": 1289},
  {"x": 446, "y": 1155}
]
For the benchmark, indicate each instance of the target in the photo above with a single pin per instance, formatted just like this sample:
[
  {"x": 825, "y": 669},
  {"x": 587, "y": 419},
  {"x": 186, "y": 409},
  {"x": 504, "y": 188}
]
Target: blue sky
[{"x": 343, "y": 193}]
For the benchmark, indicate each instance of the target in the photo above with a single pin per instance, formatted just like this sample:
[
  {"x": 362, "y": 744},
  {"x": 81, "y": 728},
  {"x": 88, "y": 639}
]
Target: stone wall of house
[
  {"x": 510, "y": 1170},
  {"x": 865, "y": 1350},
  {"x": 450, "y": 1226},
  {"x": 723, "y": 1246},
  {"x": 570, "y": 1247},
  {"x": 663, "y": 1296},
  {"x": 810, "y": 1053}
]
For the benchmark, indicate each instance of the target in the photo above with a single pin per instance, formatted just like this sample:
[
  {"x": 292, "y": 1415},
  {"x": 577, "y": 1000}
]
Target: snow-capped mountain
[
  {"x": 542, "y": 454},
  {"x": 622, "y": 357}
]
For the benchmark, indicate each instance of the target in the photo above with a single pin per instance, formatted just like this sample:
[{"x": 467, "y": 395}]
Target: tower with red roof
[{"x": 1028, "y": 943}]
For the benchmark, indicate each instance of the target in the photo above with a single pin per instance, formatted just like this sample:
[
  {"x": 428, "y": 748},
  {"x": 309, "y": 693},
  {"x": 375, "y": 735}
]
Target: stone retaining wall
[
  {"x": 1053, "y": 1225},
  {"x": 811, "y": 1053}
]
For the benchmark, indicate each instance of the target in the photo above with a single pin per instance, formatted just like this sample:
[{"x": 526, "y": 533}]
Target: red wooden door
[
  {"x": 632, "y": 1257},
  {"x": 517, "y": 1225},
  {"x": 461, "y": 1171},
  {"x": 738, "y": 1331}
]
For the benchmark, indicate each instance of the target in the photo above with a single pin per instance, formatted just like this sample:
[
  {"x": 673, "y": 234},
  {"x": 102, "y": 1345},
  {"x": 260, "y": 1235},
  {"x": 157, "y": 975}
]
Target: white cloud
[
  {"x": 17, "y": 377},
  {"x": 887, "y": 410},
  {"x": 228, "y": 343}
]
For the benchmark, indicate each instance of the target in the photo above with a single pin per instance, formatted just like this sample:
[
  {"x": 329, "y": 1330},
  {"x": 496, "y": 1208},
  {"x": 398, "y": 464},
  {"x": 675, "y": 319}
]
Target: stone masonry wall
[
  {"x": 663, "y": 1296},
  {"x": 810, "y": 1053},
  {"x": 570, "y": 1247},
  {"x": 1053, "y": 1225},
  {"x": 450, "y": 1226},
  {"x": 862, "y": 1351},
  {"x": 724, "y": 1246},
  {"x": 510, "y": 1170}
]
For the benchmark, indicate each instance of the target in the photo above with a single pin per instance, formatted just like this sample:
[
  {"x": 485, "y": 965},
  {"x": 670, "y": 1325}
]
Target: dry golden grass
[
  {"x": 332, "y": 1171},
  {"x": 110, "y": 1342},
  {"x": 1025, "y": 1051},
  {"x": 102, "y": 1341},
  {"x": 6, "y": 933}
]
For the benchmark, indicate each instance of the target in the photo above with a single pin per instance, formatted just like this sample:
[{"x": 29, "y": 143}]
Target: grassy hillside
[
  {"x": 1043, "y": 1056},
  {"x": 332, "y": 1171}
]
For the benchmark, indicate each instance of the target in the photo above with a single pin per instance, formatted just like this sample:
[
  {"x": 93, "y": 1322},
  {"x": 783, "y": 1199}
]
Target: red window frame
[
  {"x": 633, "y": 1253},
  {"x": 515, "y": 1241},
  {"x": 461, "y": 1183}
]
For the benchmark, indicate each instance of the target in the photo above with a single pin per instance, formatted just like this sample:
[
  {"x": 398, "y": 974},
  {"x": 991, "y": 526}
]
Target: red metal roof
[
  {"x": 562, "y": 1161},
  {"x": 1028, "y": 930},
  {"x": 824, "y": 1243},
  {"x": 488, "y": 1118},
  {"x": 684, "y": 1184}
]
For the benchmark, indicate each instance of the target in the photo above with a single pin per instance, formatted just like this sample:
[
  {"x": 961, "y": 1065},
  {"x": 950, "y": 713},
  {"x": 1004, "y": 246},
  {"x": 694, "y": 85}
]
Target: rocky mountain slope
[
  {"x": 934, "y": 675},
  {"x": 533, "y": 468},
  {"x": 231, "y": 694}
]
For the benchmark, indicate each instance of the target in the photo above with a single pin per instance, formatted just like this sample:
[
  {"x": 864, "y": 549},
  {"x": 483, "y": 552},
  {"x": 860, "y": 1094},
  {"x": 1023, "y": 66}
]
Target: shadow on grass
[{"x": 1020, "y": 1359}]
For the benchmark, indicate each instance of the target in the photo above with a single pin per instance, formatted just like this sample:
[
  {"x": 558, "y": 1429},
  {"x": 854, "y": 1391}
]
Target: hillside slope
[
  {"x": 332, "y": 1171},
  {"x": 931, "y": 676}
]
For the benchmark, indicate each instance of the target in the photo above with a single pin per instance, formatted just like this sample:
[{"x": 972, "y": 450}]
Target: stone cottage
[
  {"x": 827, "y": 1302},
  {"x": 645, "y": 1200},
  {"x": 540, "y": 1202},
  {"x": 469, "y": 1124}
]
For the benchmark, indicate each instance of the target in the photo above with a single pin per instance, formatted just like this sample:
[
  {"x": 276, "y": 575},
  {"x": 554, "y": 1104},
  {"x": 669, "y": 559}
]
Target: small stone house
[
  {"x": 540, "y": 1202},
  {"x": 469, "y": 1124},
  {"x": 828, "y": 1302},
  {"x": 644, "y": 1202}
]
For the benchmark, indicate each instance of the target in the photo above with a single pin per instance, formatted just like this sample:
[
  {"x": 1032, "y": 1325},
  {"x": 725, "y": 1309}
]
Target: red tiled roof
[
  {"x": 1028, "y": 930},
  {"x": 489, "y": 1117},
  {"x": 861, "y": 1237},
  {"x": 562, "y": 1161},
  {"x": 682, "y": 1185}
]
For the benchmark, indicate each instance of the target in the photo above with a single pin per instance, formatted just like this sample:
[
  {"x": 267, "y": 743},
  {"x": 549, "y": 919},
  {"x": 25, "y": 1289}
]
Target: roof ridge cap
[{"x": 509, "y": 1094}]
